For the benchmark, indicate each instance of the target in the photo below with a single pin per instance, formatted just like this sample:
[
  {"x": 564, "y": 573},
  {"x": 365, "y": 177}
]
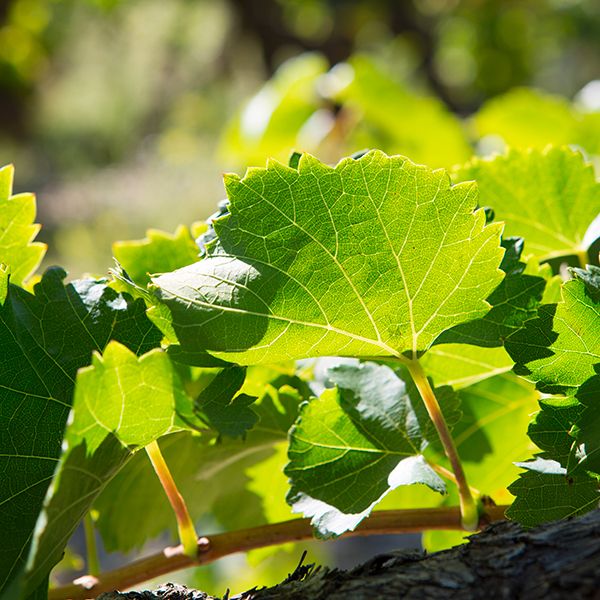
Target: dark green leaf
[
  {"x": 354, "y": 444},
  {"x": 545, "y": 493},
  {"x": 222, "y": 408},
  {"x": 44, "y": 339}
]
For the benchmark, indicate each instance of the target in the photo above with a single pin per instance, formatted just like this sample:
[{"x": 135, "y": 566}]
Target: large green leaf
[
  {"x": 375, "y": 257},
  {"x": 17, "y": 230},
  {"x": 355, "y": 443},
  {"x": 44, "y": 339},
  {"x": 548, "y": 197},
  {"x": 121, "y": 403}
]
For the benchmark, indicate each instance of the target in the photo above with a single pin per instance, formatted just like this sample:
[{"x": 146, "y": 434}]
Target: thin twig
[{"x": 223, "y": 544}]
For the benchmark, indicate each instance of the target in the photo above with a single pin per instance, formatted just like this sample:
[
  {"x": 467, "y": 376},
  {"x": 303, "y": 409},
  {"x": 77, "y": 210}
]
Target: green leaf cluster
[{"x": 293, "y": 329}]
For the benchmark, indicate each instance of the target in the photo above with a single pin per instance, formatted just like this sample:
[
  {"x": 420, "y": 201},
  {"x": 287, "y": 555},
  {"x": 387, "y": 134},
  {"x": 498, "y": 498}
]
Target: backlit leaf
[{"x": 375, "y": 257}]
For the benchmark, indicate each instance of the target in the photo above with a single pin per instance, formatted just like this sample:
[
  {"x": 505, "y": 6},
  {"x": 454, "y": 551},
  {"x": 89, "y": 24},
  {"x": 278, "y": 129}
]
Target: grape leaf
[
  {"x": 159, "y": 252},
  {"x": 209, "y": 471},
  {"x": 585, "y": 453},
  {"x": 559, "y": 348},
  {"x": 17, "y": 230},
  {"x": 550, "y": 428},
  {"x": 492, "y": 433},
  {"x": 375, "y": 257},
  {"x": 121, "y": 403},
  {"x": 45, "y": 338},
  {"x": 548, "y": 197},
  {"x": 545, "y": 493},
  {"x": 270, "y": 123},
  {"x": 563, "y": 357},
  {"x": 356, "y": 442},
  {"x": 514, "y": 302},
  {"x": 4, "y": 276}
]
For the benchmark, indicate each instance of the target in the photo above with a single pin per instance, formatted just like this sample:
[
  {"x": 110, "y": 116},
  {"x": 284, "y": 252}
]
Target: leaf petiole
[
  {"x": 468, "y": 507},
  {"x": 185, "y": 526},
  {"x": 447, "y": 474}
]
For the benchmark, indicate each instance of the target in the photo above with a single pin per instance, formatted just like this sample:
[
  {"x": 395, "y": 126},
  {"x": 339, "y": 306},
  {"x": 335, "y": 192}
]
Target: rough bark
[{"x": 555, "y": 561}]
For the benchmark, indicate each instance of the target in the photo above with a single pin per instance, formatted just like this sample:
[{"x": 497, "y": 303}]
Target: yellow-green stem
[
  {"x": 185, "y": 525},
  {"x": 91, "y": 549},
  {"x": 468, "y": 507}
]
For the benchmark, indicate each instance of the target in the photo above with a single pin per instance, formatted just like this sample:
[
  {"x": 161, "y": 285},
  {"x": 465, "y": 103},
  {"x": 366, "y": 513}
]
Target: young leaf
[
  {"x": 44, "y": 339},
  {"x": 375, "y": 257},
  {"x": 17, "y": 230},
  {"x": 548, "y": 197},
  {"x": 209, "y": 471},
  {"x": 121, "y": 403},
  {"x": 355, "y": 443},
  {"x": 159, "y": 252}
]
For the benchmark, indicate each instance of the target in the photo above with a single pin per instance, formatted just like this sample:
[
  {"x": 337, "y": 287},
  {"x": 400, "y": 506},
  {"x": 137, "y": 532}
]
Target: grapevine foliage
[{"x": 274, "y": 349}]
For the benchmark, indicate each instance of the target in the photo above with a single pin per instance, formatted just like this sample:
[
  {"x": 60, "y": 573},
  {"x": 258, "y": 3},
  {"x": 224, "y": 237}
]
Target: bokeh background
[{"x": 122, "y": 115}]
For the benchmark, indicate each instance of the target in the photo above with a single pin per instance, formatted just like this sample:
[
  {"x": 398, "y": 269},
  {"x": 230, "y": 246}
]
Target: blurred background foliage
[{"x": 122, "y": 115}]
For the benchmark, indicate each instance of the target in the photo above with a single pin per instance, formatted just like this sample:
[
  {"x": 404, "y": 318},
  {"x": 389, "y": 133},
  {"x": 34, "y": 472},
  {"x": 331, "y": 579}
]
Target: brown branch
[{"x": 223, "y": 544}]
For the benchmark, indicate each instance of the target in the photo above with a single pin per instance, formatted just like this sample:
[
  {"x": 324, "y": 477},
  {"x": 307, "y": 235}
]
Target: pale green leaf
[
  {"x": 375, "y": 257},
  {"x": 526, "y": 118},
  {"x": 213, "y": 474},
  {"x": 158, "y": 252},
  {"x": 461, "y": 365},
  {"x": 271, "y": 121},
  {"x": 377, "y": 102},
  {"x": 549, "y": 197},
  {"x": 17, "y": 230}
]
